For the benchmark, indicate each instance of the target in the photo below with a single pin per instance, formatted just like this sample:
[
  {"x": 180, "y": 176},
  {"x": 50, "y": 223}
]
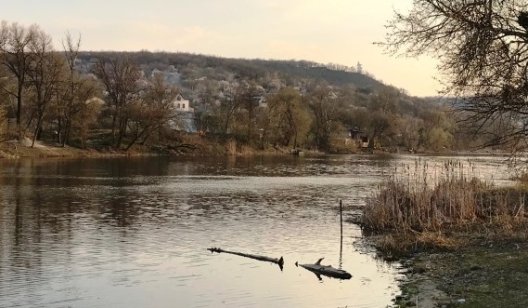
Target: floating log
[
  {"x": 279, "y": 261},
  {"x": 325, "y": 270}
]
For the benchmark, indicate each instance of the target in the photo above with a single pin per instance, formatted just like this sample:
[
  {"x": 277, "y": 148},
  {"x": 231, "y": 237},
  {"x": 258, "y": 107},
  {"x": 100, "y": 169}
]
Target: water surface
[{"x": 134, "y": 233}]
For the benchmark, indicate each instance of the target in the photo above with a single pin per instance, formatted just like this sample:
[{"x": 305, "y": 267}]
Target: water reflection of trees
[{"x": 45, "y": 206}]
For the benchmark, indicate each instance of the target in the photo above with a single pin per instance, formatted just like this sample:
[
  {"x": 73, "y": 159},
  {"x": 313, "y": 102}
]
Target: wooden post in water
[{"x": 341, "y": 234}]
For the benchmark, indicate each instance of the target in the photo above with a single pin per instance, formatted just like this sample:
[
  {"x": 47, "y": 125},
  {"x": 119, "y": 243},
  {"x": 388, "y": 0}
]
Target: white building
[
  {"x": 182, "y": 105},
  {"x": 184, "y": 117}
]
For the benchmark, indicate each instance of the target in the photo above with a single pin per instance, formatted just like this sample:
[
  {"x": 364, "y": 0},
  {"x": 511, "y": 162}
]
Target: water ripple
[{"x": 133, "y": 233}]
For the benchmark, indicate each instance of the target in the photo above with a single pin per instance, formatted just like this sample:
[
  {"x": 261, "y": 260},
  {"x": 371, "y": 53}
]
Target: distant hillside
[
  {"x": 222, "y": 68},
  {"x": 303, "y": 69}
]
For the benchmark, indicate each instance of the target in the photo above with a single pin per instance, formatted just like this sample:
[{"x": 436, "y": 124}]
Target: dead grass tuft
[{"x": 415, "y": 214}]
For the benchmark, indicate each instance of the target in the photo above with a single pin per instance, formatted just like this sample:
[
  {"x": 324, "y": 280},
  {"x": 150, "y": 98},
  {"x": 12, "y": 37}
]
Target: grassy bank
[
  {"x": 462, "y": 240},
  {"x": 186, "y": 146},
  {"x": 14, "y": 149}
]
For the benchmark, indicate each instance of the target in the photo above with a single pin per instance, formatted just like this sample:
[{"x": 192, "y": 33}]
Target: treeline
[
  {"x": 322, "y": 116},
  {"x": 44, "y": 96},
  {"x": 305, "y": 111},
  {"x": 118, "y": 100}
]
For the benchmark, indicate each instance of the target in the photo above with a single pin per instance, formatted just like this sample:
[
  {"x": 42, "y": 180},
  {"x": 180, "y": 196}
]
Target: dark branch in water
[
  {"x": 279, "y": 261},
  {"x": 325, "y": 270}
]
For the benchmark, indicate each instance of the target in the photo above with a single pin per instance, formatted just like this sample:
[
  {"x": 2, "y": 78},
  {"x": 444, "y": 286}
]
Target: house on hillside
[
  {"x": 184, "y": 117},
  {"x": 359, "y": 137},
  {"x": 182, "y": 105}
]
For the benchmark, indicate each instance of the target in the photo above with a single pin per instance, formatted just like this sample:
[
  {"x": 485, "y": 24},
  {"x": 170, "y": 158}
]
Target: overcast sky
[{"x": 326, "y": 31}]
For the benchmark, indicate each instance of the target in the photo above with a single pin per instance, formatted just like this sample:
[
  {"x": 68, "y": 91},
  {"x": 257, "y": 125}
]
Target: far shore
[
  {"x": 13, "y": 150},
  {"x": 23, "y": 150}
]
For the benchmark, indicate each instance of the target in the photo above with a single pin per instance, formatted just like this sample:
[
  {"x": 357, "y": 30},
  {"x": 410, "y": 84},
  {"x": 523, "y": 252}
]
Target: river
[{"x": 134, "y": 232}]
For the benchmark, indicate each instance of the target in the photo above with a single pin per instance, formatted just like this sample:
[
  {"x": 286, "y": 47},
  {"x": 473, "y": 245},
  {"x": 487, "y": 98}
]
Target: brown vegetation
[
  {"x": 482, "y": 48},
  {"x": 415, "y": 214}
]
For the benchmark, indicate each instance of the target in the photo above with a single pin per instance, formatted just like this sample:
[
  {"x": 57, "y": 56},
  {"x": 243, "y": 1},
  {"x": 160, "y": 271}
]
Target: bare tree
[
  {"x": 119, "y": 77},
  {"x": 483, "y": 51},
  {"x": 44, "y": 76},
  {"x": 15, "y": 55},
  {"x": 324, "y": 109},
  {"x": 230, "y": 105},
  {"x": 154, "y": 110},
  {"x": 248, "y": 99},
  {"x": 67, "y": 109},
  {"x": 289, "y": 118},
  {"x": 75, "y": 110}
]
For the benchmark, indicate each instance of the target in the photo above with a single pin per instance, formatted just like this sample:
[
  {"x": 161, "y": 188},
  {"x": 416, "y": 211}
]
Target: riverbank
[
  {"x": 461, "y": 241},
  {"x": 485, "y": 273},
  {"x": 191, "y": 146},
  {"x": 17, "y": 150},
  {"x": 478, "y": 267}
]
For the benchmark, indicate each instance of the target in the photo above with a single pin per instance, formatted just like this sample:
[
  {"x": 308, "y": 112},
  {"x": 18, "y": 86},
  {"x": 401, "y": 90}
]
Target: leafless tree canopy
[
  {"x": 482, "y": 46},
  {"x": 120, "y": 79}
]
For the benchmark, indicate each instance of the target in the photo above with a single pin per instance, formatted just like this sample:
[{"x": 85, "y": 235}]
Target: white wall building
[
  {"x": 184, "y": 118},
  {"x": 182, "y": 105}
]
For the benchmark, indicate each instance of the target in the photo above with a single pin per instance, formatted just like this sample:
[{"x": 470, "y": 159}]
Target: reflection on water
[{"x": 134, "y": 233}]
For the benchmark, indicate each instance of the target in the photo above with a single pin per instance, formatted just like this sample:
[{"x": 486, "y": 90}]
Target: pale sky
[{"x": 326, "y": 31}]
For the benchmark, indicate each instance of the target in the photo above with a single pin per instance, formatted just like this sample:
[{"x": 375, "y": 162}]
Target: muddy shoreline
[{"x": 484, "y": 273}]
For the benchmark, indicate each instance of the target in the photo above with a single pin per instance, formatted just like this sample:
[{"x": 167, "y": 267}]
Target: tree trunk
[
  {"x": 66, "y": 137},
  {"x": 19, "y": 111},
  {"x": 122, "y": 132},
  {"x": 136, "y": 138},
  {"x": 37, "y": 131}
]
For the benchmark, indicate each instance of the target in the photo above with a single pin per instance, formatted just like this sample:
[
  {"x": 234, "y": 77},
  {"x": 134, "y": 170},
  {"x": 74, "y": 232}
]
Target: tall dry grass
[
  {"x": 423, "y": 201},
  {"x": 231, "y": 147}
]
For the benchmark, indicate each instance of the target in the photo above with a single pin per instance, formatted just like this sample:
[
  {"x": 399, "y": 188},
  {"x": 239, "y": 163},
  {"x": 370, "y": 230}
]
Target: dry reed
[{"x": 442, "y": 200}]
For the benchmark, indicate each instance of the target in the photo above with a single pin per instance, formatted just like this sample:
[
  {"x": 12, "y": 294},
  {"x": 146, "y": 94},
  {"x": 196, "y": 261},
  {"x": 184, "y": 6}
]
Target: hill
[{"x": 193, "y": 66}]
